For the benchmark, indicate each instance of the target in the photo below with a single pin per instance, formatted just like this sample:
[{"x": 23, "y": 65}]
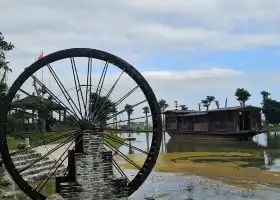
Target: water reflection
[{"x": 266, "y": 145}]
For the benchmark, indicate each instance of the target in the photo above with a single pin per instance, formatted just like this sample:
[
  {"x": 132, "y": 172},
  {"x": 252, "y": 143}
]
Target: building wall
[
  {"x": 171, "y": 122},
  {"x": 223, "y": 121},
  {"x": 94, "y": 173},
  {"x": 255, "y": 120}
]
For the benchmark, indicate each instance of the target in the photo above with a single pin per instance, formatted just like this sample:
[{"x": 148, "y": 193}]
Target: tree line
[{"x": 270, "y": 107}]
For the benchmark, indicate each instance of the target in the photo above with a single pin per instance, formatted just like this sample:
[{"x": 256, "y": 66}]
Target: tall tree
[
  {"x": 205, "y": 103},
  {"x": 4, "y": 64},
  {"x": 210, "y": 99},
  {"x": 226, "y": 102},
  {"x": 271, "y": 110},
  {"x": 100, "y": 108},
  {"x": 4, "y": 69},
  {"x": 242, "y": 96},
  {"x": 129, "y": 110},
  {"x": 184, "y": 107},
  {"x": 163, "y": 105},
  {"x": 146, "y": 111},
  {"x": 217, "y": 104},
  {"x": 265, "y": 95}
]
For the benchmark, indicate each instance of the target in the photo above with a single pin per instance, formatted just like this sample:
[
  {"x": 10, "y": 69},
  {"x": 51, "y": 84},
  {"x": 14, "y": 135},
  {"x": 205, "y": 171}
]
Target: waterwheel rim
[{"x": 89, "y": 54}]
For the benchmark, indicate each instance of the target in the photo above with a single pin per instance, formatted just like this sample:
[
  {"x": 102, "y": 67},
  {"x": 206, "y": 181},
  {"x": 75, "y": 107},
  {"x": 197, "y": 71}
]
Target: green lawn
[
  {"x": 13, "y": 142},
  {"x": 37, "y": 138}
]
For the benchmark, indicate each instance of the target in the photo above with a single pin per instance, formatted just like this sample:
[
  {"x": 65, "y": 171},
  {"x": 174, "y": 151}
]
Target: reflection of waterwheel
[{"x": 82, "y": 113}]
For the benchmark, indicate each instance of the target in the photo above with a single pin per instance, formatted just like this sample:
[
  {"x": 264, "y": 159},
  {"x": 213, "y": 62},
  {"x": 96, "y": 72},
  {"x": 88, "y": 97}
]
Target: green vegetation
[
  {"x": 35, "y": 138},
  {"x": 242, "y": 96},
  {"x": 207, "y": 102},
  {"x": 101, "y": 107},
  {"x": 4, "y": 67},
  {"x": 184, "y": 107}
]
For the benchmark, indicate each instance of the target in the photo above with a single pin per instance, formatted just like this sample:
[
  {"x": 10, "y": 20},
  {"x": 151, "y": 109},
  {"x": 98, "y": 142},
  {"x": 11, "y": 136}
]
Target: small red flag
[{"x": 41, "y": 56}]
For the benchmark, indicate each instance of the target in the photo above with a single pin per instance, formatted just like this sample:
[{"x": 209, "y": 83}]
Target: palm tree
[
  {"x": 217, "y": 104},
  {"x": 242, "y": 96},
  {"x": 129, "y": 110},
  {"x": 226, "y": 102},
  {"x": 146, "y": 110},
  {"x": 163, "y": 105},
  {"x": 184, "y": 107},
  {"x": 210, "y": 99},
  {"x": 205, "y": 104}
]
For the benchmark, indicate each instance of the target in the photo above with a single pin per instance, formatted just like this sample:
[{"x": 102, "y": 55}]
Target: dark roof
[
  {"x": 30, "y": 102},
  {"x": 235, "y": 108},
  {"x": 197, "y": 113},
  {"x": 194, "y": 114},
  {"x": 180, "y": 111}
]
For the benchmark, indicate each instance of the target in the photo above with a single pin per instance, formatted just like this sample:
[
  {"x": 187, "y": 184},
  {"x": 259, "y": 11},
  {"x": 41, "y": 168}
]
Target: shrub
[{"x": 21, "y": 146}]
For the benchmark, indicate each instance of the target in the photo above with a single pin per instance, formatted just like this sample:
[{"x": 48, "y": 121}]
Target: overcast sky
[{"x": 185, "y": 49}]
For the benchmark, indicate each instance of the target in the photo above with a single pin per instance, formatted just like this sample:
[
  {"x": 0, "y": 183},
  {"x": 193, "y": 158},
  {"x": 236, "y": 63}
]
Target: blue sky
[{"x": 185, "y": 49}]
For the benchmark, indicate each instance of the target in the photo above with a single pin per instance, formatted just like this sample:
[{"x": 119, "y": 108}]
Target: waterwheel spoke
[
  {"x": 64, "y": 91},
  {"x": 77, "y": 84},
  {"x": 110, "y": 146},
  {"x": 55, "y": 165},
  {"x": 122, "y": 111},
  {"x": 98, "y": 90},
  {"x": 55, "y": 98},
  {"x": 107, "y": 111},
  {"x": 48, "y": 153},
  {"x": 38, "y": 101},
  {"x": 43, "y": 143},
  {"x": 88, "y": 86},
  {"x": 123, "y": 143},
  {"x": 99, "y": 108},
  {"x": 126, "y": 121},
  {"x": 118, "y": 168}
]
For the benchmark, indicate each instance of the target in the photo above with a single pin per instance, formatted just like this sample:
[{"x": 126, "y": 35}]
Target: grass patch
[
  {"x": 13, "y": 142},
  {"x": 37, "y": 138}
]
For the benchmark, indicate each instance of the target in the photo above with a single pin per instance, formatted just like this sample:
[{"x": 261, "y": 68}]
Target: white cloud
[
  {"x": 138, "y": 27},
  {"x": 188, "y": 86},
  {"x": 135, "y": 30}
]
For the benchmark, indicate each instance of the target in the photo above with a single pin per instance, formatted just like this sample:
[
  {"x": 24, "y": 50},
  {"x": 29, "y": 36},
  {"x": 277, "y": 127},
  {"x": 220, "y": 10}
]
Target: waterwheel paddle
[{"x": 55, "y": 118}]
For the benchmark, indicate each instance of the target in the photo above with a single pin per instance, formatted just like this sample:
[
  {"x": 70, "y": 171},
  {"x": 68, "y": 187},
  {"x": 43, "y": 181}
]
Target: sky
[{"x": 186, "y": 50}]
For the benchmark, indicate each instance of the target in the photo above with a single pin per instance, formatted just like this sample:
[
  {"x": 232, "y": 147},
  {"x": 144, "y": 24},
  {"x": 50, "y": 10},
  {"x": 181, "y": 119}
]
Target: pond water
[
  {"x": 260, "y": 159},
  {"x": 209, "y": 168}
]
